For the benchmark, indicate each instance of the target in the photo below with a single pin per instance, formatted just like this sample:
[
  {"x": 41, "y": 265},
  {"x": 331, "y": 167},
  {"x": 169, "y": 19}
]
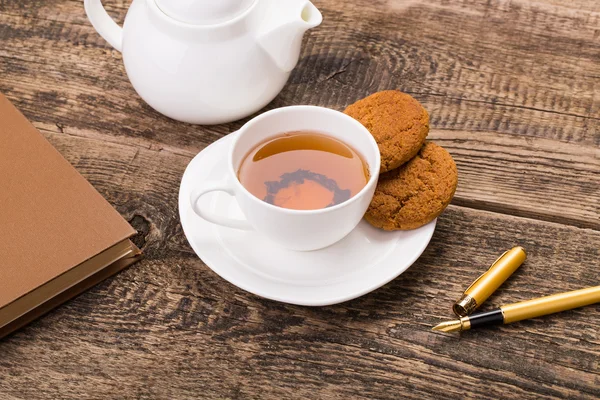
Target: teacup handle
[{"x": 209, "y": 215}]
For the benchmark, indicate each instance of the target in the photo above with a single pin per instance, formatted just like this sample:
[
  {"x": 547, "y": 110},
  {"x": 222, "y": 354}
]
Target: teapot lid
[{"x": 203, "y": 12}]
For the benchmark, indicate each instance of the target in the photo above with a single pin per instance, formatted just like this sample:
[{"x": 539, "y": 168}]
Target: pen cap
[{"x": 489, "y": 281}]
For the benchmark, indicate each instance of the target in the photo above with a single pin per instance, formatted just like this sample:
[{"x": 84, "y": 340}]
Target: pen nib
[{"x": 449, "y": 326}]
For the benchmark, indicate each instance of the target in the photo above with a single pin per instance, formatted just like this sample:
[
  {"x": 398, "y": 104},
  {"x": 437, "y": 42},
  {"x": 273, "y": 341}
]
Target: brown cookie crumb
[
  {"x": 416, "y": 193},
  {"x": 397, "y": 121}
]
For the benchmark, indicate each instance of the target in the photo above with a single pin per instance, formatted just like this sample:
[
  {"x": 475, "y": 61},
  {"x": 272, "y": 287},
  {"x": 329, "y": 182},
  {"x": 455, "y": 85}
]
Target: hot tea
[{"x": 303, "y": 171}]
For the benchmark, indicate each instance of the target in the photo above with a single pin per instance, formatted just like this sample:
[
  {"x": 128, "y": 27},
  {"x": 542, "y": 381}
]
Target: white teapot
[{"x": 208, "y": 61}]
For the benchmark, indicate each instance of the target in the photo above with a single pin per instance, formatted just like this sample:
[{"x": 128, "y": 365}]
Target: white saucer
[{"x": 363, "y": 261}]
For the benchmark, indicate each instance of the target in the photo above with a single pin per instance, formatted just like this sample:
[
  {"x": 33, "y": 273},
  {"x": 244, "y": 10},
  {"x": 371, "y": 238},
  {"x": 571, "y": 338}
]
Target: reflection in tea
[{"x": 303, "y": 171}]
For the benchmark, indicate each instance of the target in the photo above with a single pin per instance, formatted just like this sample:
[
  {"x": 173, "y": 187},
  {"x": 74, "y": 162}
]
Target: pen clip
[{"x": 491, "y": 266}]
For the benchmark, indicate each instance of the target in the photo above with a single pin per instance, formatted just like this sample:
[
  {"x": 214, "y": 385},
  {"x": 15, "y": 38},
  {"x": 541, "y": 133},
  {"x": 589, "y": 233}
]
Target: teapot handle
[{"x": 103, "y": 23}]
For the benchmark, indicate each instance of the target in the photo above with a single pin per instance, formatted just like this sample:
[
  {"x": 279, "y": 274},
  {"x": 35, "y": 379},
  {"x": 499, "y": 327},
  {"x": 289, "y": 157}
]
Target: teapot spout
[{"x": 285, "y": 25}]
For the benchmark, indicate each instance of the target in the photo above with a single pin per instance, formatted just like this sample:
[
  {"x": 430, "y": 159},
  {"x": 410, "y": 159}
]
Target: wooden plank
[
  {"x": 530, "y": 177},
  {"x": 84, "y": 90},
  {"x": 170, "y": 328},
  {"x": 521, "y": 68}
]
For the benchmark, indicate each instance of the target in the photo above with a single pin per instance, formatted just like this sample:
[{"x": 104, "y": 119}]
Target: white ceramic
[
  {"x": 361, "y": 262},
  {"x": 208, "y": 61},
  {"x": 294, "y": 229}
]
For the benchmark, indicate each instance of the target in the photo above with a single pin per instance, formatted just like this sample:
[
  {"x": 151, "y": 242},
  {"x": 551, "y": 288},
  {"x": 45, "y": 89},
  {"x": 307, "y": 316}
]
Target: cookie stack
[{"x": 417, "y": 178}]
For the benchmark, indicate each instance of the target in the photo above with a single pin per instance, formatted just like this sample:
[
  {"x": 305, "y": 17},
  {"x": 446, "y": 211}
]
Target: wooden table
[{"x": 513, "y": 89}]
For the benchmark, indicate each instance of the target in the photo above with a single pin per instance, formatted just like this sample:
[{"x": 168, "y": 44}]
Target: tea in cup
[
  {"x": 303, "y": 176},
  {"x": 303, "y": 171}
]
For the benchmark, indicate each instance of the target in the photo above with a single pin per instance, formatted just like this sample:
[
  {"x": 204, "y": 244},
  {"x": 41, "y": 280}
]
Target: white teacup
[{"x": 294, "y": 229}]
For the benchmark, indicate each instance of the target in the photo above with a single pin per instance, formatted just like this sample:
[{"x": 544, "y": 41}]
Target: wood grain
[
  {"x": 481, "y": 77},
  {"x": 530, "y": 177},
  {"x": 173, "y": 324},
  {"x": 512, "y": 89},
  {"x": 479, "y": 66}
]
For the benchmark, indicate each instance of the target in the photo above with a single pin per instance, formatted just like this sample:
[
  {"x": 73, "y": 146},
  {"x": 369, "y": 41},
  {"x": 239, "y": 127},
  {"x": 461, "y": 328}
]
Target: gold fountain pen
[{"x": 524, "y": 310}]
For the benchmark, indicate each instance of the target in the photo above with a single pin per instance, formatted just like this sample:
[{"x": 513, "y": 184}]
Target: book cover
[{"x": 56, "y": 230}]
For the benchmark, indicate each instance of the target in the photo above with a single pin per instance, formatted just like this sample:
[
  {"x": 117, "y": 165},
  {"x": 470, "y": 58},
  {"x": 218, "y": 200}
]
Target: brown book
[{"x": 58, "y": 236}]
